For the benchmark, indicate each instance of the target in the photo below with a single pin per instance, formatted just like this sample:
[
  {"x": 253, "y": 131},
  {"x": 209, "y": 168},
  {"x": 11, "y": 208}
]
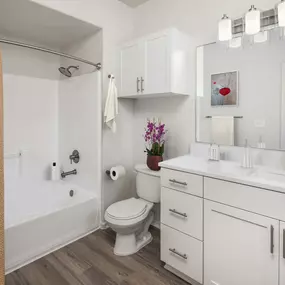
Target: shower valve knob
[{"x": 74, "y": 157}]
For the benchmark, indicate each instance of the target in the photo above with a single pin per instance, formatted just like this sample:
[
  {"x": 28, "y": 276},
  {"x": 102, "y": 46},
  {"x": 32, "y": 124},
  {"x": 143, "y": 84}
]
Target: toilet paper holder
[
  {"x": 116, "y": 172},
  {"x": 108, "y": 172}
]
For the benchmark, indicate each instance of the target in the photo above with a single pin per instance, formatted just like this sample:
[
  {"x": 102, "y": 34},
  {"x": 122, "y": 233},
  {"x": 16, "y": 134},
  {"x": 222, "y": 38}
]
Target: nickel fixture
[{"x": 255, "y": 23}]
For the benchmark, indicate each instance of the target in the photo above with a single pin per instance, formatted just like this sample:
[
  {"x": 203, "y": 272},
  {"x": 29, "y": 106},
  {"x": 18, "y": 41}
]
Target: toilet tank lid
[{"x": 142, "y": 168}]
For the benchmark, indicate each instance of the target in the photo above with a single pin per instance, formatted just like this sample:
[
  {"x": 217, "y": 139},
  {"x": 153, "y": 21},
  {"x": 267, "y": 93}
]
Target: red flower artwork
[{"x": 225, "y": 91}]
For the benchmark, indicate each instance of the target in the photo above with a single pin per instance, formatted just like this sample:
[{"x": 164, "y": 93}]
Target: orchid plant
[{"x": 155, "y": 137}]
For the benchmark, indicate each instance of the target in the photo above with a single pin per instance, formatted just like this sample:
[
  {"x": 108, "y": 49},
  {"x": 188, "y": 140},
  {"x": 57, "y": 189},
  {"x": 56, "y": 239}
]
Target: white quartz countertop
[{"x": 257, "y": 176}]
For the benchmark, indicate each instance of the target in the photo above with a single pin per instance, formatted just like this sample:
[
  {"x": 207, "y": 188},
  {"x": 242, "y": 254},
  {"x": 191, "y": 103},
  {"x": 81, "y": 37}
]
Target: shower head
[{"x": 66, "y": 71}]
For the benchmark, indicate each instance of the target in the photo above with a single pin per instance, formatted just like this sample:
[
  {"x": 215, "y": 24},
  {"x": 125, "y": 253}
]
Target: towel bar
[{"x": 235, "y": 117}]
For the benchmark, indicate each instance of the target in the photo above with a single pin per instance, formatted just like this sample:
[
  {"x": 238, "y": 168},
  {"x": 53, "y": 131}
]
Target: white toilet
[{"x": 131, "y": 218}]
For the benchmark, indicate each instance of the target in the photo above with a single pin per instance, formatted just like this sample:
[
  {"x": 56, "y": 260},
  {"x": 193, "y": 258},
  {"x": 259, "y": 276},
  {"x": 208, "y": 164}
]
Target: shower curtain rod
[{"x": 9, "y": 42}]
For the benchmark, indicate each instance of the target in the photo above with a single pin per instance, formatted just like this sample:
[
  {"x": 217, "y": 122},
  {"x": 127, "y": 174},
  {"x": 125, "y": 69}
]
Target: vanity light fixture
[
  {"x": 225, "y": 29},
  {"x": 252, "y": 21},
  {"x": 281, "y": 13}
]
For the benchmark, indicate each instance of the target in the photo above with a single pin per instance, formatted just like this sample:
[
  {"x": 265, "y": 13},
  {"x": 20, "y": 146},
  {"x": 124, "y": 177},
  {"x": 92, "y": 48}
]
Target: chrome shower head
[{"x": 66, "y": 71}]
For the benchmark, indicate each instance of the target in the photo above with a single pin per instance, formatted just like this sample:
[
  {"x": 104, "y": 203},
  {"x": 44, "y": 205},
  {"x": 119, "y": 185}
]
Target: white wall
[
  {"x": 116, "y": 20},
  {"x": 30, "y": 111},
  {"x": 80, "y": 128},
  {"x": 90, "y": 49},
  {"x": 198, "y": 19}
]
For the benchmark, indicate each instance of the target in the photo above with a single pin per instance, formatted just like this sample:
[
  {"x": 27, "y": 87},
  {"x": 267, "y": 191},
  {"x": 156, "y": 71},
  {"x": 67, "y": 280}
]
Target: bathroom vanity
[{"x": 222, "y": 224}]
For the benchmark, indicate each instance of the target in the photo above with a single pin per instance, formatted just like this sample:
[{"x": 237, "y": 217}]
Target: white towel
[
  {"x": 111, "y": 106},
  {"x": 223, "y": 130}
]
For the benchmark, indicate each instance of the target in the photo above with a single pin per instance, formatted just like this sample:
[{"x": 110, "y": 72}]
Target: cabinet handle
[
  {"x": 178, "y": 213},
  {"x": 142, "y": 87},
  {"x": 138, "y": 85},
  {"x": 271, "y": 239},
  {"x": 173, "y": 250},
  {"x": 284, "y": 244},
  {"x": 178, "y": 182}
]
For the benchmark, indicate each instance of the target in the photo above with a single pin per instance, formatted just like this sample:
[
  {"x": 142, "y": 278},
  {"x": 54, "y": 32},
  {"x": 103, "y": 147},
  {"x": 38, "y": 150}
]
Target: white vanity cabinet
[
  {"x": 239, "y": 247},
  {"x": 130, "y": 63},
  {"x": 182, "y": 224},
  {"x": 218, "y": 230},
  {"x": 156, "y": 65}
]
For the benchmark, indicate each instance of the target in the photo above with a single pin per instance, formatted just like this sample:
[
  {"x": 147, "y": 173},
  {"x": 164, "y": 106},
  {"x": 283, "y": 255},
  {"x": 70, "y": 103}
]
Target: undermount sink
[{"x": 269, "y": 175}]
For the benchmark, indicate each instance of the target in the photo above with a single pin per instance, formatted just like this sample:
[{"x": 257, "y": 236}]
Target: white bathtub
[{"x": 42, "y": 216}]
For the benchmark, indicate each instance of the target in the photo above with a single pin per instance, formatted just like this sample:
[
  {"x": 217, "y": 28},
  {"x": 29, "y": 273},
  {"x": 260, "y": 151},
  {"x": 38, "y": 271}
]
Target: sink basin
[
  {"x": 232, "y": 169},
  {"x": 269, "y": 175}
]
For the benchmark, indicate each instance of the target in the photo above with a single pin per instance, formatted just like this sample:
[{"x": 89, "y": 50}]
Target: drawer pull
[
  {"x": 184, "y": 215},
  {"x": 138, "y": 82},
  {"x": 271, "y": 239},
  {"x": 284, "y": 244},
  {"x": 173, "y": 250},
  {"x": 178, "y": 182}
]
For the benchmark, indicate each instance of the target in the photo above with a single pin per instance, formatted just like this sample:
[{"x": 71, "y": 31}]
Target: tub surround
[{"x": 214, "y": 213}]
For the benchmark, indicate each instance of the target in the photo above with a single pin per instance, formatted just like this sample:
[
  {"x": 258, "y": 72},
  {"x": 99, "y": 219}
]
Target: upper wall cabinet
[{"x": 157, "y": 65}]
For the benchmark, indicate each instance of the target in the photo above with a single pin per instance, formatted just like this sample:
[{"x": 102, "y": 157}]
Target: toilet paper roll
[{"x": 117, "y": 172}]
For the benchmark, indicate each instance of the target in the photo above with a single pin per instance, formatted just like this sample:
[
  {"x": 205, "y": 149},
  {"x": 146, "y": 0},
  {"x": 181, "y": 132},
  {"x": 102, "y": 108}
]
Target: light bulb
[
  {"x": 252, "y": 21},
  {"x": 225, "y": 29},
  {"x": 281, "y": 13}
]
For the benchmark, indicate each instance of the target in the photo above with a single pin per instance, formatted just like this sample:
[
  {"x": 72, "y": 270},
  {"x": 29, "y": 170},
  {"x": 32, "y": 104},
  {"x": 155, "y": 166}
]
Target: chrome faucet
[{"x": 72, "y": 172}]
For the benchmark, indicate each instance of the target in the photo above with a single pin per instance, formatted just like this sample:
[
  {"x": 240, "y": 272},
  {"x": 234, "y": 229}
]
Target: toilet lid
[{"x": 127, "y": 209}]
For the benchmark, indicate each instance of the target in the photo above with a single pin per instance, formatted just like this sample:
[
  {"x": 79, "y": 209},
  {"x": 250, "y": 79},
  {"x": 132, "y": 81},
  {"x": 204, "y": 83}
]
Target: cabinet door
[
  {"x": 130, "y": 58},
  {"x": 282, "y": 254},
  {"x": 156, "y": 65},
  {"x": 239, "y": 247}
]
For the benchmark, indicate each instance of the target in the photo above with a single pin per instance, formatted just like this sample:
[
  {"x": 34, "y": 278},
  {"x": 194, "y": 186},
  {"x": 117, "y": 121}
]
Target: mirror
[{"x": 241, "y": 92}]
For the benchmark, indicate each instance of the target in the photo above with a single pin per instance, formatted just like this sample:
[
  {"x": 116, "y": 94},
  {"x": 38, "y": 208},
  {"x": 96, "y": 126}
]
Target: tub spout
[{"x": 72, "y": 172}]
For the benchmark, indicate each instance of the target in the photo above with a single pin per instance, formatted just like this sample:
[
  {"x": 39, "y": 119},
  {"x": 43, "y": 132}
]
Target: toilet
[{"x": 131, "y": 218}]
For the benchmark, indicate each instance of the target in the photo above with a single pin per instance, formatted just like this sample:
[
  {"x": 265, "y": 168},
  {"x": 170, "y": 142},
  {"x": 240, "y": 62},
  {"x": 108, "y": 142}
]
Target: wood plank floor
[{"x": 90, "y": 261}]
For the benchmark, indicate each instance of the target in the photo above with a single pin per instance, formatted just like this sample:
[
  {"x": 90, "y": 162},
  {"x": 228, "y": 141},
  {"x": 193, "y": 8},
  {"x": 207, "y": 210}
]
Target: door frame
[{"x": 2, "y": 262}]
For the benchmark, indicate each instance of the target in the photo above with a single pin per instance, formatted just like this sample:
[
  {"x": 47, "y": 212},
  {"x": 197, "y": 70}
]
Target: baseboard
[
  {"x": 181, "y": 275},
  {"x": 30, "y": 260}
]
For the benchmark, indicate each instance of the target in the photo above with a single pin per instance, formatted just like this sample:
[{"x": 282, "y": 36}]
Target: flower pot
[{"x": 153, "y": 161}]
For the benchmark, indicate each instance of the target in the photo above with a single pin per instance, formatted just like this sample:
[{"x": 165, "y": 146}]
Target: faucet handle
[{"x": 74, "y": 157}]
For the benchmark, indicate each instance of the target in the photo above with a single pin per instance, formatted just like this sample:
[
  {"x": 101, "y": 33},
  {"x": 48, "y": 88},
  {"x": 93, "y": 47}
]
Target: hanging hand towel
[
  {"x": 223, "y": 130},
  {"x": 111, "y": 106}
]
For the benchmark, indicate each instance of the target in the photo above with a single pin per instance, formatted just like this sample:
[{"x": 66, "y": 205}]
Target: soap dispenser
[
  {"x": 247, "y": 160},
  {"x": 261, "y": 143}
]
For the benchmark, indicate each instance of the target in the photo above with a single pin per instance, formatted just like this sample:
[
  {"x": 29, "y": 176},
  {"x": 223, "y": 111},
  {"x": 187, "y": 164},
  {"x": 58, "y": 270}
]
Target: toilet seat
[{"x": 128, "y": 212}]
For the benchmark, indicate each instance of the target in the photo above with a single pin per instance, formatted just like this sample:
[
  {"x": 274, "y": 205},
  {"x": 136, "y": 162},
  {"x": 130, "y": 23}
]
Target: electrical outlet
[
  {"x": 259, "y": 123},
  {"x": 214, "y": 283}
]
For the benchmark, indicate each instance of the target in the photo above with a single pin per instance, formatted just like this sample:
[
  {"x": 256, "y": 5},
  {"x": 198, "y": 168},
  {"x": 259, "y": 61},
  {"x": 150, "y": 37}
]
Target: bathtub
[{"x": 41, "y": 217}]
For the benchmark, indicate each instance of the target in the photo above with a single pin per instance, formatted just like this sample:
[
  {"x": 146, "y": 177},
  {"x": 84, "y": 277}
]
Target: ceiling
[
  {"x": 34, "y": 23},
  {"x": 133, "y": 3}
]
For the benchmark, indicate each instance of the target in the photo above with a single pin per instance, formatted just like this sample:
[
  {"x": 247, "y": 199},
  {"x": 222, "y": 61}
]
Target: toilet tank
[{"x": 148, "y": 183}]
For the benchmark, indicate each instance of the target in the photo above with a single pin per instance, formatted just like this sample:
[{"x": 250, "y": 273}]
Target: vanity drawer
[
  {"x": 182, "y": 212},
  {"x": 182, "y": 181},
  {"x": 182, "y": 252},
  {"x": 253, "y": 199}
]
